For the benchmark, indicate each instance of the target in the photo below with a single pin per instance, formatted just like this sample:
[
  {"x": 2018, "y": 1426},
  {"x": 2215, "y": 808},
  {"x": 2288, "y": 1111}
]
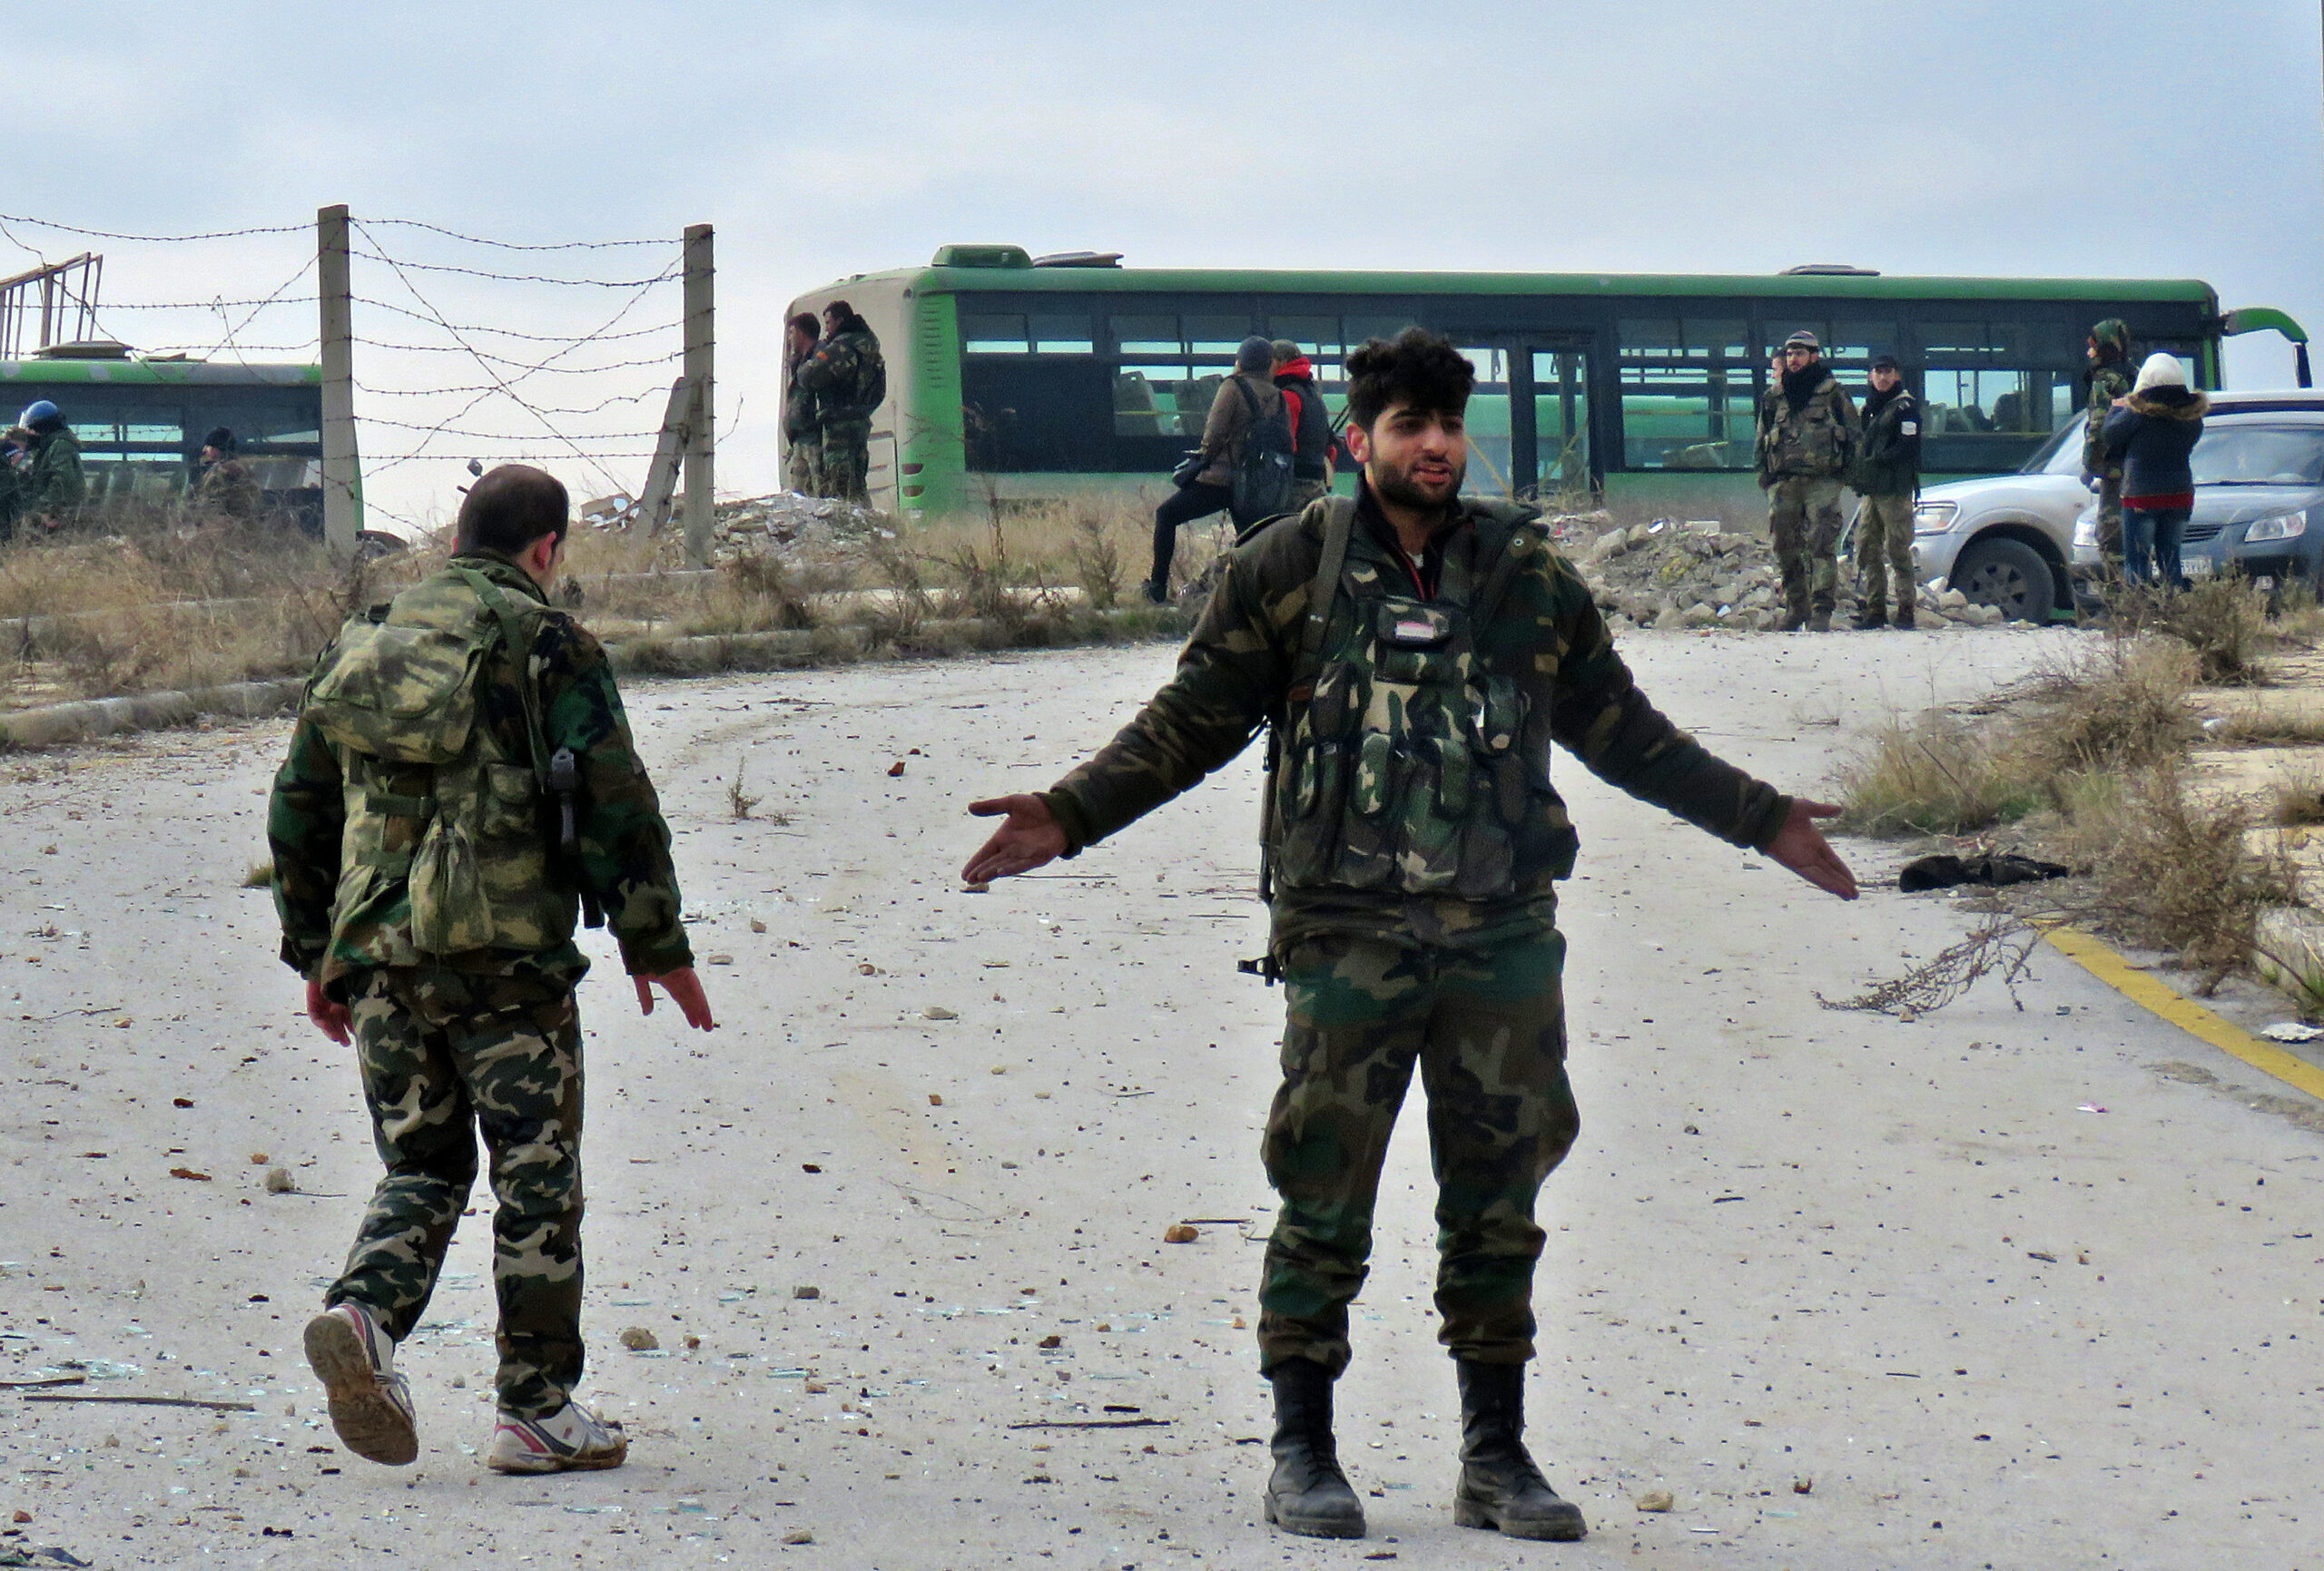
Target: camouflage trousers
[
  {"x": 844, "y": 460},
  {"x": 2110, "y": 522},
  {"x": 445, "y": 1055},
  {"x": 802, "y": 465},
  {"x": 1884, "y": 545},
  {"x": 1804, "y": 517},
  {"x": 1483, "y": 1016}
]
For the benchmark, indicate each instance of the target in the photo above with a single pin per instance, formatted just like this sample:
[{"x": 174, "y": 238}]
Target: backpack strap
[
  {"x": 1339, "y": 527},
  {"x": 520, "y": 649},
  {"x": 1505, "y": 559}
]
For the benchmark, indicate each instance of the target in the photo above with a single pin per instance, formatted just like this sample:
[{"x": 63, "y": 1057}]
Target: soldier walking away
[
  {"x": 1247, "y": 426},
  {"x": 53, "y": 487},
  {"x": 803, "y": 420},
  {"x": 224, "y": 486},
  {"x": 1888, "y": 478},
  {"x": 2108, "y": 353},
  {"x": 1310, "y": 424},
  {"x": 848, "y": 380},
  {"x": 461, "y": 778},
  {"x": 1415, "y": 654},
  {"x": 1807, "y": 437}
]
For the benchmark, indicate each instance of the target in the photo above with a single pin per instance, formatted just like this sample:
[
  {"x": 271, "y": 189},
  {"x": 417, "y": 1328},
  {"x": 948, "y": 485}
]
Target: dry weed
[
  {"x": 2299, "y": 797},
  {"x": 2121, "y": 707},
  {"x": 1937, "y": 773},
  {"x": 2223, "y": 621}
]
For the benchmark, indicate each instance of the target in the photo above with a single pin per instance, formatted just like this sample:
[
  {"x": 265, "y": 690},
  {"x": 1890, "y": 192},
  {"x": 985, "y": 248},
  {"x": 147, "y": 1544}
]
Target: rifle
[{"x": 564, "y": 782}]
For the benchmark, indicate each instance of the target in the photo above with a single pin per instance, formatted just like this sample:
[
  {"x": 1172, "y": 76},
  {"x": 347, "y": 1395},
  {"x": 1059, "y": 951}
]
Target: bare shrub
[
  {"x": 1097, "y": 563},
  {"x": 2124, "y": 706},
  {"x": 1937, "y": 773},
  {"x": 2223, "y": 621}
]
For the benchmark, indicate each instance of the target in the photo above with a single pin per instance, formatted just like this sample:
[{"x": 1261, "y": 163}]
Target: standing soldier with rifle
[
  {"x": 461, "y": 778},
  {"x": 803, "y": 420},
  {"x": 1807, "y": 437},
  {"x": 2108, "y": 353},
  {"x": 1415, "y": 655}
]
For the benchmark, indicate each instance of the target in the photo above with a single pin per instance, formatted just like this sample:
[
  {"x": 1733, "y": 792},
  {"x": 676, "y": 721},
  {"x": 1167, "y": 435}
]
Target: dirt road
[{"x": 1858, "y": 1292}]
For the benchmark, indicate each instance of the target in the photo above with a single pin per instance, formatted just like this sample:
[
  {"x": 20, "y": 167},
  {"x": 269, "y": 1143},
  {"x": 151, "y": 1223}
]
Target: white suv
[{"x": 2006, "y": 540}]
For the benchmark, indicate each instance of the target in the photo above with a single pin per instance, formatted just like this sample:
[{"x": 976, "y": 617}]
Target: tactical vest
[
  {"x": 432, "y": 797},
  {"x": 1403, "y": 762},
  {"x": 1812, "y": 442}
]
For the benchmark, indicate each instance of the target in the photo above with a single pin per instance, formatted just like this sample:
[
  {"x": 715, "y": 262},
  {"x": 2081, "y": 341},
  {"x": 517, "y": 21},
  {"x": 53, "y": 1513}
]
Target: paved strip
[{"x": 2184, "y": 1013}]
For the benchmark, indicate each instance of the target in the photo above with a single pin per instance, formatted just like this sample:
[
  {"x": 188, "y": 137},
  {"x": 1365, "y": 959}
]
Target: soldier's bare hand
[
  {"x": 685, "y": 990},
  {"x": 331, "y": 1016},
  {"x": 1800, "y": 846},
  {"x": 1028, "y": 838}
]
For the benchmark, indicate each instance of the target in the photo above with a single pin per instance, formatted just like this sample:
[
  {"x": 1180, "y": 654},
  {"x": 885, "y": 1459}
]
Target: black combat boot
[
  {"x": 1871, "y": 621},
  {"x": 1821, "y": 623},
  {"x": 1308, "y": 1495},
  {"x": 1157, "y": 592},
  {"x": 1905, "y": 616},
  {"x": 1500, "y": 1485}
]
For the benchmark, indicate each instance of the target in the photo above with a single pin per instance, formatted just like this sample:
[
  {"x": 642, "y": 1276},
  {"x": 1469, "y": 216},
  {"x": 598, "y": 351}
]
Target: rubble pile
[
  {"x": 784, "y": 524},
  {"x": 1667, "y": 574}
]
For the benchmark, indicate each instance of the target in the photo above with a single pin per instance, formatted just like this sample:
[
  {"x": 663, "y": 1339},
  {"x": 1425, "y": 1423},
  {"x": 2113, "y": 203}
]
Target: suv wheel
[{"x": 2008, "y": 574}]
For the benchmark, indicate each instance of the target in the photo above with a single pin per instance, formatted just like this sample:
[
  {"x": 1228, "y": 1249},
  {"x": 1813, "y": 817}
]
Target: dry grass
[
  {"x": 2223, "y": 621},
  {"x": 2120, "y": 707},
  {"x": 1939, "y": 773},
  {"x": 2298, "y": 799}
]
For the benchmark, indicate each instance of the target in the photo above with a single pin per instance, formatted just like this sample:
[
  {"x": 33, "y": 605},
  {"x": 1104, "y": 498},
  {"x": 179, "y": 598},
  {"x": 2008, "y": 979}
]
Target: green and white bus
[
  {"x": 1022, "y": 377},
  {"x": 140, "y": 422}
]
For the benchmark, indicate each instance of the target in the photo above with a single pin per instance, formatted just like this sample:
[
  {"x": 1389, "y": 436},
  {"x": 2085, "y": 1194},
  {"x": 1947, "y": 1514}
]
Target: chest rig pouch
[
  {"x": 1400, "y": 770},
  {"x": 432, "y": 796}
]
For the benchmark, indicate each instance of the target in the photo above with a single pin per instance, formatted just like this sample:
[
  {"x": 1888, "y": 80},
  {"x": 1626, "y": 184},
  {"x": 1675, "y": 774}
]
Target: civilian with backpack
[{"x": 1243, "y": 466}]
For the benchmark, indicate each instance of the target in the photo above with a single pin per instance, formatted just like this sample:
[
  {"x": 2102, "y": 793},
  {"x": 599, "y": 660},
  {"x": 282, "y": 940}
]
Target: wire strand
[
  {"x": 506, "y": 244},
  {"x": 153, "y": 239},
  {"x": 456, "y": 327},
  {"x": 664, "y": 277}
]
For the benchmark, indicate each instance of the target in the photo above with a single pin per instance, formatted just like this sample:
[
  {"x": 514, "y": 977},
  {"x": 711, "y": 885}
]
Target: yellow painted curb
[{"x": 2183, "y": 1011}]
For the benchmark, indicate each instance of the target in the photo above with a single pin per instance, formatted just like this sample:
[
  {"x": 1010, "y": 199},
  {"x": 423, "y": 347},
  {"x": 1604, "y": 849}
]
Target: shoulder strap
[
  {"x": 1505, "y": 563},
  {"x": 520, "y": 649},
  {"x": 1339, "y": 527}
]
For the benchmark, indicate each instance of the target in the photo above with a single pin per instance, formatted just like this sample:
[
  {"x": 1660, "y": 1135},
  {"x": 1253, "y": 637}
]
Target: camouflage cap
[
  {"x": 1285, "y": 349},
  {"x": 1804, "y": 339},
  {"x": 2113, "y": 333}
]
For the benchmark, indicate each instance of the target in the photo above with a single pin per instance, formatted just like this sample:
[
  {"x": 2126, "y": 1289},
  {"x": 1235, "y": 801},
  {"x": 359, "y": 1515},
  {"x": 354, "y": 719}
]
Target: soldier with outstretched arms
[
  {"x": 1415, "y": 655},
  {"x": 460, "y": 784}
]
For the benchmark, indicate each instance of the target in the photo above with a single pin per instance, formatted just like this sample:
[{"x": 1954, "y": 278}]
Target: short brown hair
[
  {"x": 1416, "y": 368},
  {"x": 805, "y": 322},
  {"x": 511, "y": 507}
]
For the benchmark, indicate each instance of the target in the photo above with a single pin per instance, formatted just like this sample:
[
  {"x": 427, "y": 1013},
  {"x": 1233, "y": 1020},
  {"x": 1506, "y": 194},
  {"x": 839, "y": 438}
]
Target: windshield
[
  {"x": 2257, "y": 455},
  {"x": 2061, "y": 455}
]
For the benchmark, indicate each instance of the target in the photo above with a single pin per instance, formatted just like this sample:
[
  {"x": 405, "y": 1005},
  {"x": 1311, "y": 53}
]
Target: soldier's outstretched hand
[
  {"x": 1800, "y": 846},
  {"x": 1028, "y": 838},
  {"x": 685, "y": 990}
]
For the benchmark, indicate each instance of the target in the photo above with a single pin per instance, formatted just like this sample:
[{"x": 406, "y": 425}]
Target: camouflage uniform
[
  {"x": 1303, "y": 491},
  {"x": 227, "y": 489},
  {"x": 1802, "y": 456},
  {"x": 455, "y": 1038},
  {"x": 848, "y": 379},
  {"x": 52, "y": 485},
  {"x": 2110, "y": 379},
  {"x": 803, "y": 434},
  {"x": 1415, "y": 843}
]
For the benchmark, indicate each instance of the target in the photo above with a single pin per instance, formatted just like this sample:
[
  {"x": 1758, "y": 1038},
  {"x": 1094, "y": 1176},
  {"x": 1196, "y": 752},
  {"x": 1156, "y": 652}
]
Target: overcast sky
[{"x": 2132, "y": 138}]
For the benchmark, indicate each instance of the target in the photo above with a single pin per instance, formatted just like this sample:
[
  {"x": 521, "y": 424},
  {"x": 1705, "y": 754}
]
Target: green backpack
[{"x": 397, "y": 696}]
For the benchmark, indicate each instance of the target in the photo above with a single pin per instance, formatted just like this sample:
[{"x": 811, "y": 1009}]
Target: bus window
[
  {"x": 1061, "y": 334},
  {"x": 1987, "y": 398},
  {"x": 1146, "y": 335},
  {"x": 984, "y": 334},
  {"x": 1360, "y": 329},
  {"x": 1688, "y": 392},
  {"x": 1155, "y": 400},
  {"x": 1220, "y": 335},
  {"x": 1488, "y": 423}
]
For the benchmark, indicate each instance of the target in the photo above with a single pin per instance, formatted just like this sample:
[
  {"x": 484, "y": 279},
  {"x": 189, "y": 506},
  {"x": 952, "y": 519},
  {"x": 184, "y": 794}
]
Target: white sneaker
[
  {"x": 371, "y": 1404},
  {"x": 571, "y": 1438}
]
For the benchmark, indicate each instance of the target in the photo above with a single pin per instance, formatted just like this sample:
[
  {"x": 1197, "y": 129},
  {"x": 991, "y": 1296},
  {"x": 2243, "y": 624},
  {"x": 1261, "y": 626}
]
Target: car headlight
[
  {"x": 2085, "y": 529},
  {"x": 2284, "y": 526},
  {"x": 1934, "y": 517}
]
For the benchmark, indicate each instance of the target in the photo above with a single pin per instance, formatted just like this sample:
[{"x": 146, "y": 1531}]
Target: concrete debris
[
  {"x": 638, "y": 1340},
  {"x": 1656, "y": 1501},
  {"x": 1670, "y": 575},
  {"x": 784, "y": 525},
  {"x": 1179, "y": 1233},
  {"x": 806, "y": 1293},
  {"x": 279, "y": 1181}
]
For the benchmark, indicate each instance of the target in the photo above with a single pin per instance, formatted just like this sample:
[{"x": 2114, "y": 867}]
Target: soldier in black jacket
[{"x": 1888, "y": 476}]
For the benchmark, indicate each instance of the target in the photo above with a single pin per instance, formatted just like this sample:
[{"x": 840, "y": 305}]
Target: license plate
[{"x": 2198, "y": 567}]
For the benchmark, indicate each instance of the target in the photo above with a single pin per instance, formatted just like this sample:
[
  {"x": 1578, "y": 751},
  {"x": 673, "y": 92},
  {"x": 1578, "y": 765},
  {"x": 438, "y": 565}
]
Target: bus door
[{"x": 1549, "y": 425}]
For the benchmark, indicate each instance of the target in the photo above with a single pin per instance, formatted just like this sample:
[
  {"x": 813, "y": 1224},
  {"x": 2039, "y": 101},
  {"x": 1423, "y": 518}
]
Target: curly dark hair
[{"x": 1416, "y": 366}]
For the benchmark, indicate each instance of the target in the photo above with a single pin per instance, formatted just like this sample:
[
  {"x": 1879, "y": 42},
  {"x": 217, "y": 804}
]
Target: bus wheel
[{"x": 2007, "y": 574}]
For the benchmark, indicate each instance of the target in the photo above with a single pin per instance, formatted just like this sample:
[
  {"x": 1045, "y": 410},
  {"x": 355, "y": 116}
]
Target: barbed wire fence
[{"x": 574, "y": 387}]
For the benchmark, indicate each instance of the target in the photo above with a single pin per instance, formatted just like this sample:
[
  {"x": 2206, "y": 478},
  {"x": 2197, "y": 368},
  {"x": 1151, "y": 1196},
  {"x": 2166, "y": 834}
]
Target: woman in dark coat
[{"x": 2150, "y": 432}]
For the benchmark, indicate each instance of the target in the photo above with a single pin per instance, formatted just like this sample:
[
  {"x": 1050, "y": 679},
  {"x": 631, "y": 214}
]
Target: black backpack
[{"x": 1263, "y": 475}]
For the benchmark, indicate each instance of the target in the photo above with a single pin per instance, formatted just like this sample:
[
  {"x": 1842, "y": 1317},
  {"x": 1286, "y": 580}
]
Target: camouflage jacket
[
  {"x": 229, "y": 489},
  {"x": 2109, "y": 381},
  {"x": 52, "y": 483},
  {"x": 803, "y": 415},
  {"x": 1818, "y": 441},
  {"x": 846, "y": 375},
  {"x": 1547, "y": 639},
  {"x": 624, "y": 846}
]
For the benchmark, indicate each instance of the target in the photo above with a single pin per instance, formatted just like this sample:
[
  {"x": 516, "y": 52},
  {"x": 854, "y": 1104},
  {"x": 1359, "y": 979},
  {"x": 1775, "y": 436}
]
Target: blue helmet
[{"x": 37, "y": 411}]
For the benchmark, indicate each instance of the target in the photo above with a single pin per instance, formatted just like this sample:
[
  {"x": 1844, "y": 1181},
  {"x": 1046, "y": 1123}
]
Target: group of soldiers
[
  {"x": 44, "y": 489},
  {"x": 838, "y": 379},
  {"x": 1813, "y": 440},
  {"x": 462, "y": 789}
]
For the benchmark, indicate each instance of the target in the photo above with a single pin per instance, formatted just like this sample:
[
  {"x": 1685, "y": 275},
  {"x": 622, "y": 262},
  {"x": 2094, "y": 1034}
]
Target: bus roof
[
  {"x": 156, "y": 373},
  {"x": 1774, "y": 286}
]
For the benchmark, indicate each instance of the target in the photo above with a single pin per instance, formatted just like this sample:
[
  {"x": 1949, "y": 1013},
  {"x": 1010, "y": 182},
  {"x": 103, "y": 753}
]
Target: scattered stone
[
  {"x": 935, "y": 1099},
  {"x": 798, "y": 1536},
  {"x": 1656, "y": 1501},
  {"x": 1181, "y": 1232},
  {"x": 938, "y": 1012},
  {"x": 279, "y": 1181},
  {"x": 722, "y": 960},
  {"x": 1051, "y": 1341},
  {"x": 638, "y": 1340},
  {"x": 189, "y": 1173},
  {"x": 895, "y": 768},
  {"x": 757, "y": 926},
  {"x": 806, "y": 1293}
]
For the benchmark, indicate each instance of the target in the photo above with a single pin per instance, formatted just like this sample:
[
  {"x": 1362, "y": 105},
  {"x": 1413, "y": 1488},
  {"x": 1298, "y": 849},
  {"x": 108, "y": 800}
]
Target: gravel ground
[{"x": 1856, "y": 1291}]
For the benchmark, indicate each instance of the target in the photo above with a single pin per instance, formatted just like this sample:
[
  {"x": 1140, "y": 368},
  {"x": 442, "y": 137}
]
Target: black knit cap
[
  {"x": 1885, "y": 363},
  {"x": 220, "y": 438}
]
